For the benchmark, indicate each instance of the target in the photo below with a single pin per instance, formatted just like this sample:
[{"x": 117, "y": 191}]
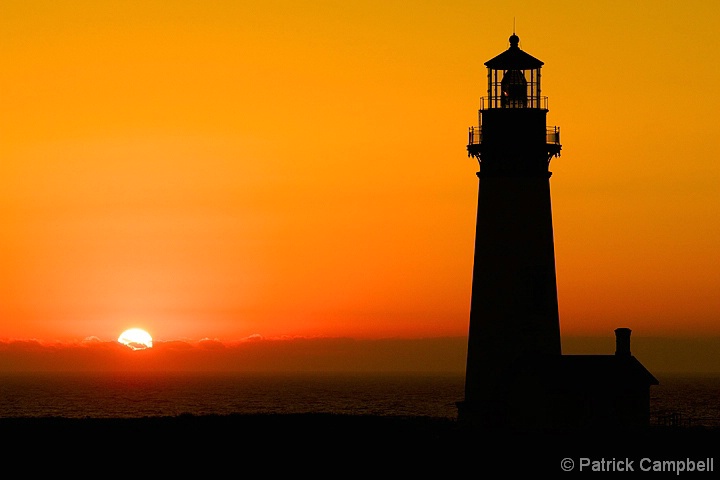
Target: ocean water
[
  {"x": 687, "y": 400},
  {"x": 679, "y": 399},
  {"x": 132, "y": 396}
]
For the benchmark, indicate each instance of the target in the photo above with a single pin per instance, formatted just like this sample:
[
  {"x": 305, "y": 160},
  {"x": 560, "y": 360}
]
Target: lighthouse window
[{"x": 514, "y": 89}]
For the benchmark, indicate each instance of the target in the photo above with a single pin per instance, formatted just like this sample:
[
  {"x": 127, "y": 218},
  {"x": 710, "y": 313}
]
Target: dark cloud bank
[{"x": 333, "y": 355}]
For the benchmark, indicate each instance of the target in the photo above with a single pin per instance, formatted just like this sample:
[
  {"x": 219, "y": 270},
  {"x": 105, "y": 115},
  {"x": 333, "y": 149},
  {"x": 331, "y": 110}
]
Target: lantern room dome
[{"x": 514, "y": 58}]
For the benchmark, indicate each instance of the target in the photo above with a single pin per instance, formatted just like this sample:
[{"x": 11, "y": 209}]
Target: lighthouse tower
[{"x": 514, "y": 305}]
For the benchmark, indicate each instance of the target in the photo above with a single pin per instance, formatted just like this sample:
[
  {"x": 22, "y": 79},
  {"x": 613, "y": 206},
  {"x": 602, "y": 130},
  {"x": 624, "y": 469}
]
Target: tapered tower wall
[{"x": 514, "y": 303}]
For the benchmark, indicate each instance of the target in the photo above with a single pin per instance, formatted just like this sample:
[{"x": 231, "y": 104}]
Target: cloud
[
  {"x": 256, "y": 354},
  {"x": 208, "y": 344}
]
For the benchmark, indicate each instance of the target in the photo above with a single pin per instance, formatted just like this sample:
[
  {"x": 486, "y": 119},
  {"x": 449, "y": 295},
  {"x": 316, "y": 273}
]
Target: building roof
[
  {"x": 513, "y": 58},
  {"x": 585, "y": 370}
]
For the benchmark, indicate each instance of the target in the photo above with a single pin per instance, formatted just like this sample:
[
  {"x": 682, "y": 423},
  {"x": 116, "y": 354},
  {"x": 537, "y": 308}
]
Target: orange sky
[{"x": 235, "y": 168}]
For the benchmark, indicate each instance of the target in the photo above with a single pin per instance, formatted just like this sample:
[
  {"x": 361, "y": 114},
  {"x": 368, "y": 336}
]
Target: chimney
[{"x": 622, "y": 342}]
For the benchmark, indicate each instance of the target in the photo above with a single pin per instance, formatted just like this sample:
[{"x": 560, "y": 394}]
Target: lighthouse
[
  {"x": 516, "y": 376},
  {"x": 514, "y": 303}
]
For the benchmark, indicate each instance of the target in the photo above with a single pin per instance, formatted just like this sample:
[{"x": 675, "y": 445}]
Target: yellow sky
[{"x": 229, "y": 168}]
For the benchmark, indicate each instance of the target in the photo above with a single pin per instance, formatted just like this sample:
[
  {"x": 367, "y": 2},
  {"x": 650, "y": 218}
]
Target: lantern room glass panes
[{"x": 514, "y": 88}]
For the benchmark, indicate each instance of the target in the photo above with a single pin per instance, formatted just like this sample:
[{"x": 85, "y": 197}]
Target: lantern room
[{"x": 514, "y": 79}]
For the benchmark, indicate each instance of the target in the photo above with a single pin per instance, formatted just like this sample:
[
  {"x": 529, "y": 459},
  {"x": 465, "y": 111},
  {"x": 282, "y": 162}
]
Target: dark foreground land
[{"x": 339, "y": 446}]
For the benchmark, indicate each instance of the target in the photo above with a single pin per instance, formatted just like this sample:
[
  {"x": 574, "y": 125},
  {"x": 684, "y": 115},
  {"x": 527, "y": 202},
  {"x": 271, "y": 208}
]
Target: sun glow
[{"x": 136, "y": 338}]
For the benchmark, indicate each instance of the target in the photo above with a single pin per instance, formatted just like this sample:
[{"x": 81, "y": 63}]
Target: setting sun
[{"x": 136, "y": 338}]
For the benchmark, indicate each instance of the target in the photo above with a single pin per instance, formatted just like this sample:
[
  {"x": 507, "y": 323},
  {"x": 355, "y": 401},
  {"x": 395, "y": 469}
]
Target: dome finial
[{"x": 514, "y": 39}]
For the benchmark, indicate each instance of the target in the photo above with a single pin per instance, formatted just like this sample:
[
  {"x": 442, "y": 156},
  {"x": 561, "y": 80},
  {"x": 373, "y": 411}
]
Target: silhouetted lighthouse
[{"x": 514, "y": 305}]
